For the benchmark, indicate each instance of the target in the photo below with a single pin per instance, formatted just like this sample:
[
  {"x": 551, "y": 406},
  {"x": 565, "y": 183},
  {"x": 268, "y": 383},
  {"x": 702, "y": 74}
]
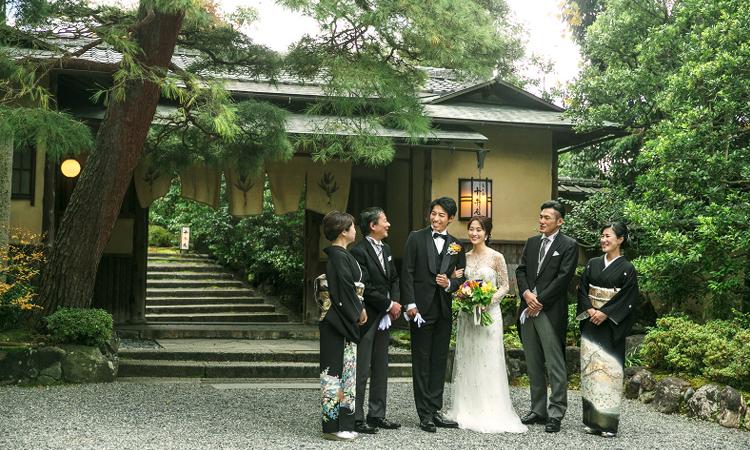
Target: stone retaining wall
[{"x": 46, "y": 365}]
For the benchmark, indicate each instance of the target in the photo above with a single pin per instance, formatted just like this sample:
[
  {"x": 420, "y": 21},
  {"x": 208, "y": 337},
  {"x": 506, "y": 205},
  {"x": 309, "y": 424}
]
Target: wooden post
[
  {"x": 139, "y": 260},
  {"x": 313, "y": 220},
  {"x": 427, "y": 186}
]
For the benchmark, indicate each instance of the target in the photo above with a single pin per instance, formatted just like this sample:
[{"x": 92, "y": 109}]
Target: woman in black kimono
[
  {"x": 607, "y": 298},
  {"x": 339, "y": 329}
]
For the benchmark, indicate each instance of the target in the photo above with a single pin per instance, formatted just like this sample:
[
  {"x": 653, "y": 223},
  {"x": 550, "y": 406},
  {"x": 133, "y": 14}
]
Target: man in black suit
[
  {"x": 430, "y": 258},
  {"x": 381, "y": 301},
  {"x": 547, "y": 265}
]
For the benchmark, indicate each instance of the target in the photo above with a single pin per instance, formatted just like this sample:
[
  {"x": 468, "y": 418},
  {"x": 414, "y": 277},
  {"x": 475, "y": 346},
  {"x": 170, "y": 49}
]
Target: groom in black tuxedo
[
  {"x": 381, "y": 301},
  {"x": 547, "y": 265},
  {"x": 430, "y": 258}
]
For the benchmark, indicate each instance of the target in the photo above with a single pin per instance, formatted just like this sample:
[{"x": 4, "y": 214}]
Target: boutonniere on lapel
[{"x": 454, "y": 248}]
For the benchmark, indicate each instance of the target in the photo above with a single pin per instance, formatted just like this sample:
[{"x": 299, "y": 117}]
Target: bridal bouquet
[{"x": 473, "y": 297}]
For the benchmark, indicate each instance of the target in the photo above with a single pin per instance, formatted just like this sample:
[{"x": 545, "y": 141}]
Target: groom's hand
[
  {"x": 412, "y": 313},
  {"x": 442, "y": 281},
  {"x": 395, "y": 310}
]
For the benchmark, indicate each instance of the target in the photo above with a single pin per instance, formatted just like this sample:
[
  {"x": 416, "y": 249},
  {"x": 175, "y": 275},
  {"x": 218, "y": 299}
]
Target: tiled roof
[
  {"x": 485, "y": 113},
  {"x": 578, "y": 185},
  {"x": 310, "y": 124},
  {"x": 440, "y": 83}
]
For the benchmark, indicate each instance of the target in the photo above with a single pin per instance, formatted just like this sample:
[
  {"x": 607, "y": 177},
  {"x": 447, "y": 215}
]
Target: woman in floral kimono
[
  {"x": 339, "y": 329},
  {"x": 607, "y": 298}
]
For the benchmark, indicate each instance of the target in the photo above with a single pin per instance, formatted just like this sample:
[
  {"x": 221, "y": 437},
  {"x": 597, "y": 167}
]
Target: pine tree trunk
[
  {"x": 6, "y": 174},
  {"x": 70, "y": 273}
]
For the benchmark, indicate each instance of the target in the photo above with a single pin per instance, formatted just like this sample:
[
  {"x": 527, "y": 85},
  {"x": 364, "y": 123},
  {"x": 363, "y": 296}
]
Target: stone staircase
[
  {"x": 235, "y": 359},
  {"x": 194, "y": 289},
  {"x": 202, "y": 323}
]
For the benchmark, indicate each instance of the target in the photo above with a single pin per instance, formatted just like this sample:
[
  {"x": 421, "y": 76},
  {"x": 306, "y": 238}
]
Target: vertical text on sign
[{"x": 185, "y": 239}]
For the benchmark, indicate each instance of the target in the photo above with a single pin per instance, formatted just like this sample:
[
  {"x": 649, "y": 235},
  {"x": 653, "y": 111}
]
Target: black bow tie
[{"x": 438, "y": 235}]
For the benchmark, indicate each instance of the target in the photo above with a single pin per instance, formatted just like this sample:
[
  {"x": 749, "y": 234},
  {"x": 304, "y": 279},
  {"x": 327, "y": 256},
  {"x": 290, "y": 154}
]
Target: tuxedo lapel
[
  {"x": 446, "y": 257},
  {"x": 432, "y": 253},
  {"x": 550, "y": 251},
  {"x": 372, "y": 254}
]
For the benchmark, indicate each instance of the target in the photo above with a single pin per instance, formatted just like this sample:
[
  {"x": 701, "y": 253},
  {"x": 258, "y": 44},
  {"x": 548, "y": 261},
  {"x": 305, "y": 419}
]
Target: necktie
[
  {"x": 542, "y": 252},
  {"x": 379, "y": 252}
]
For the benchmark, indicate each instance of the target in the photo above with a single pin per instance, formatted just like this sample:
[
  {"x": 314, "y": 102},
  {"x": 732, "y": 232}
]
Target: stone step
[
  {"x": 180, "y": 257},
  {"x": 151, "y": 308},
  {"x": 188, "y": 276},
  {"x": 251, "y": 331},
  {"x": 199, "y": 292},
  {"x": 204, "y": 283},
  {"x": 187, "y": 267},
  {"x": 218, "y": 317},
  {"x": 206, "y": 356},
  {"x": 184, "y": 301},
  {"x": 234, "y": 369}
]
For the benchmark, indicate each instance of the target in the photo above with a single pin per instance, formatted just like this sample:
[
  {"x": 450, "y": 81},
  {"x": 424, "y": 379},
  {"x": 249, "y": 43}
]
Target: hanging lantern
[
  {"x": 475, "y": 197},
  {"x": 70, "y": 168}
]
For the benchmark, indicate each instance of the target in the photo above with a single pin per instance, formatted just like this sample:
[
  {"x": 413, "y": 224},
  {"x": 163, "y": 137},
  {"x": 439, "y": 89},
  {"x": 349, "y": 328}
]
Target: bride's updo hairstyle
[{"x": 486, "y": 224}]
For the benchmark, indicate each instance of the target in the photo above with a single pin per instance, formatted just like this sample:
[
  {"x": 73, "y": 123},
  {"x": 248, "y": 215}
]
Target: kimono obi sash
[
  {"x": 599, "y": 296},
  {"x": 323, "y": 297}
]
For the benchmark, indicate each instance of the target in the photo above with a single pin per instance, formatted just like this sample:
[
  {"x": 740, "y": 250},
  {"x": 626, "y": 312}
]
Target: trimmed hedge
[
  {"x": 80, "y": 326},
  {"x": 717, "y": 350}
]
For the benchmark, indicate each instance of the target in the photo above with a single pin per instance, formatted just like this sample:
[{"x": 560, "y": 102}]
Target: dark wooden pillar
[
  {"x": 140, "y": 256},
  {"x": 313, "y": 266},
  {"x": 49, "y": 201},
  {"x": 427, "y": 186}
]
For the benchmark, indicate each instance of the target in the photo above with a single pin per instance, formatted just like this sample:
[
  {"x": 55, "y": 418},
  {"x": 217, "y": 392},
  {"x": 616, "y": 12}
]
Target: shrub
[
  {"x": 80, "y": 326},
  {"x": 716, "y": 350},
  {"x": 18, "y": 277},
  {"x": 159, "y": 236}
]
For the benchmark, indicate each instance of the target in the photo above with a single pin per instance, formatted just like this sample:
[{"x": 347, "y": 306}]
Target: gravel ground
[{"x": 172, "y": 414}]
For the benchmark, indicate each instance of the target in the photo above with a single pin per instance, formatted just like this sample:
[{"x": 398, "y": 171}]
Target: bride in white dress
[{"x": 481, "y": 397}]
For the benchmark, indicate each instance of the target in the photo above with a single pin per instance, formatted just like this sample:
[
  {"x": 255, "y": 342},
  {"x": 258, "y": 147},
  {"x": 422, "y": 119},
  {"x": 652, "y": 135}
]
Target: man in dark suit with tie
[
  {"x": 381, "y": 301},
  {"x": 431, "y": 256},
  {"x": 547, "y": 265}
]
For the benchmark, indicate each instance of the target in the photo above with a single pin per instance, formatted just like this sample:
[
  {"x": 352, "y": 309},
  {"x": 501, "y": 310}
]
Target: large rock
[
  {"x": 704, "y": 404},
  {"x": 515, "y": 362},
  {"x": 84, "y": 364},
  {"x": 640, "y": 382},
  {"x": 633, "y": 343},
  {"x": 670, "y": 394},
  {"x": 747, "y": 418},
  {"x": 46, "y": 356},
  {"x": 731, "y": 407}
]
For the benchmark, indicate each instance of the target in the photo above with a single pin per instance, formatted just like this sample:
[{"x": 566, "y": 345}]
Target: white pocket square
[
  {"x": 390, "y": 258},
  {"x": 555, "y": 254}
]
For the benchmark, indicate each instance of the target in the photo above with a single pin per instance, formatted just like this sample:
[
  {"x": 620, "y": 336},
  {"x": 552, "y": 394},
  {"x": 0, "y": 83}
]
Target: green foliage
[
  {"x": 160, "y": 237},
  {"x": 267, "y": 247},
  {"x": 574, "y": 327},
  {"x": 511, "y": 338},
  {"x": 80, "y": 326},
  {"x": 18, "y": 278},
  {"x": 57, "y": 132},
  {"x": 674, "y": 74},
  {"x": 717, "y": 350},
  {"x": 586, "y": 217}
]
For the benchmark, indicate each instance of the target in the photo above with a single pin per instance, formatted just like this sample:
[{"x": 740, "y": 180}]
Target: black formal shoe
[
  {"x": 532, "y": 418},
  {"x": 382, "y": 422},
  {"x": 442, "y": 422},
  {"x": 427, "y": 425},
  {"x": 552, "y": 426},
  {"x": 361, "y": 427}
]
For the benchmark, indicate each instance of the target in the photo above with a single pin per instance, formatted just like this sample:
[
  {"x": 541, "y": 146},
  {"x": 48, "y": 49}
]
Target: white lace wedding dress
[{"x": 481, "y": 398}]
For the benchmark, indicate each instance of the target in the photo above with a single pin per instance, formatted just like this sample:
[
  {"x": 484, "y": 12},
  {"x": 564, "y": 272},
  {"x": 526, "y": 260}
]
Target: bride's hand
[{"x": 458, "y": 273}]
